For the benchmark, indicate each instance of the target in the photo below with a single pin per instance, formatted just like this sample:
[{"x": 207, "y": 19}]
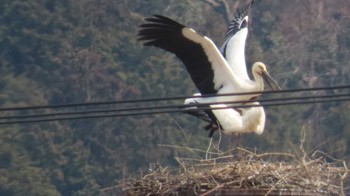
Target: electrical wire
[
  {"x": 15, "y": 108},
  {"x": 173, "y": 110},
  {"x": 161, "y": 107},
  {"x": 157, "y": 112}
]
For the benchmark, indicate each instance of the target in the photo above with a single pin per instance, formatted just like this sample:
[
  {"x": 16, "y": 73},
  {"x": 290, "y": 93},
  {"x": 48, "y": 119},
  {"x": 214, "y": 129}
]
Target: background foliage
[{"x": 61, "y": 51}]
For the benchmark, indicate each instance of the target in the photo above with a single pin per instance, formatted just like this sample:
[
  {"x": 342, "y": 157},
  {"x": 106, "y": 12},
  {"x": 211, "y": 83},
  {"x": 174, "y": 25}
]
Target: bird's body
[
  {"x": 241, "y": 120},
  {"x": 214, "y": 71},
  {"x": 207, "y": 67},
  {"x": 233, "y": 120},
  {"x": 245, "y": 119}
]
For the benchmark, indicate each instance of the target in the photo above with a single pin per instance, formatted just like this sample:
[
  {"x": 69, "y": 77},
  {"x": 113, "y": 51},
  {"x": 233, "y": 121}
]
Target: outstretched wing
[
  {"x": 233, "y": 48},
  {"x": 202, "y": 59}
]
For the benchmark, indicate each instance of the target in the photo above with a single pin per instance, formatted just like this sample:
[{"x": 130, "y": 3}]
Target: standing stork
[
  {"x": 238, "y": 120},
  {"x": 208, "y": 68}
]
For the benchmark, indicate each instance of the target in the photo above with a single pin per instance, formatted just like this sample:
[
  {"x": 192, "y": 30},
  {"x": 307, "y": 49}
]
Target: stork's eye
[{"x": 261, "y": 69}]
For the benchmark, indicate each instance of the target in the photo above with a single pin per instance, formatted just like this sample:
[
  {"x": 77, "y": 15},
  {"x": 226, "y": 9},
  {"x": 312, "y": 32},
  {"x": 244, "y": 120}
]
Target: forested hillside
[{"x": 62, "y": 52}]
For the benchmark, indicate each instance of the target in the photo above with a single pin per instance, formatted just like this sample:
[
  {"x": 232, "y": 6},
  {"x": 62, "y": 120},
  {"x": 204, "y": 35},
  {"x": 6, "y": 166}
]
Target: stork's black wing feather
[
  {"x": 207, "y": 116},
  {"x": 167, "y": 34}
]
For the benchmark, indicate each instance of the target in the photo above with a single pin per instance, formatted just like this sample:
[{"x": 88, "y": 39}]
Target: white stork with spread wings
[
  {"x": 208, "y": 68},
  {"x": 238, "y": 120}
]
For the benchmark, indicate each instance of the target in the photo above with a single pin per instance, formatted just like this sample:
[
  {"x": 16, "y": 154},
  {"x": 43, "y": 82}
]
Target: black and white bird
[
  {"x": 208, "y": 68},
  {"x": 235, "y": 120}
]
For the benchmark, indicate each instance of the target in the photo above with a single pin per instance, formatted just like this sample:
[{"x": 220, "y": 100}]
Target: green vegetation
[{"x": 60, "y": 51}]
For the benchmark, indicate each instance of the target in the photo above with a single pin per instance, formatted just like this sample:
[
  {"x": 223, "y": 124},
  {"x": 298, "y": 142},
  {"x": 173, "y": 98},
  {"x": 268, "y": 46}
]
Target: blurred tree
[{"x": 55, "y": 52}]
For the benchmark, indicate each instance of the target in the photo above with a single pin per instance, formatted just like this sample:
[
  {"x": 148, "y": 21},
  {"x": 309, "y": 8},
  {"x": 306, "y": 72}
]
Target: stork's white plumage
[
  {"x": 251, "y": 119},
  {"x": 233, "y": 48},
  {"x": 242, "y": 120},
  {"x": 208, "y": 68},
  {"x": 233, "y": 120}
]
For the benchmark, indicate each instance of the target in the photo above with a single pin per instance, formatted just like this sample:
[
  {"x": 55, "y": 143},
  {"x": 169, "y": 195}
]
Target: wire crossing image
[{"x": 153, "y": 106}]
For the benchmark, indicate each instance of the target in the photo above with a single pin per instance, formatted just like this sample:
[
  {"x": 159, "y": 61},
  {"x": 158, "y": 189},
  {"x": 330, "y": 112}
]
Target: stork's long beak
[{"x": 270, "y": 81}]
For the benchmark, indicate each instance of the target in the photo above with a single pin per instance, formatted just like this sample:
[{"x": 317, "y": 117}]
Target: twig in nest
[
  {"x": 266, "y": 154},
  {"x": 181, "y": 163},
  {"x": 302, "y": 141},
  {"x": 187, "y": 148},
  {"x": 325, "y": 155},
  {"x": 208, "y": 149},
  {"x": 342, "y": 178}
]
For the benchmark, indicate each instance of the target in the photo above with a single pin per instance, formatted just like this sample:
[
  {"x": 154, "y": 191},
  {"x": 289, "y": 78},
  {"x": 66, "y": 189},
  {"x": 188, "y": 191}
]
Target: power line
[
  {"x": 15, "y": 108},
  {"x": 176, "y": 110},
  {"x": 161, "y": 107},
  {"x": 146, "y": 110}
]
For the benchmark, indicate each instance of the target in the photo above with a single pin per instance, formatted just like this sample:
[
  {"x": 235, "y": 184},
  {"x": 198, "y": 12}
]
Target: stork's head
[{"x": 259, "y": 69}]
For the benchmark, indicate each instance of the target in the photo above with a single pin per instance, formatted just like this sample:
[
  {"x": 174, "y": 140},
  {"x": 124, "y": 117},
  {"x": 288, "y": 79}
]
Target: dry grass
[
  {"x": 206, "y": 177},
  {"x": 248, "y": 173}
]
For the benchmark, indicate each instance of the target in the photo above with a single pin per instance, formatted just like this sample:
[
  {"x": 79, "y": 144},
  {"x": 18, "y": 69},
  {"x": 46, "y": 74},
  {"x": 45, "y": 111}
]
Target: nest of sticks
[{"x": 250, "y": 174}]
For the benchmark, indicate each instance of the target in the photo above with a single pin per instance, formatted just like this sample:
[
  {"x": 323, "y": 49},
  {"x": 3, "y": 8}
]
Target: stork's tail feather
[
  {"x": 211, "y": 129},
  {"x": 203, "y": 114}
]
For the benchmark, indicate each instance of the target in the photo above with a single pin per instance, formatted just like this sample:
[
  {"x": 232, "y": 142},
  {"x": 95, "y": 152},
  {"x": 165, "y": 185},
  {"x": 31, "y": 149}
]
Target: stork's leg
[
  {"x": 237, "y": 141},
  {"x": 237, "y": 145},
  {"x": 231, "y": 143},
  {"x": 230, "y": 146}
]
